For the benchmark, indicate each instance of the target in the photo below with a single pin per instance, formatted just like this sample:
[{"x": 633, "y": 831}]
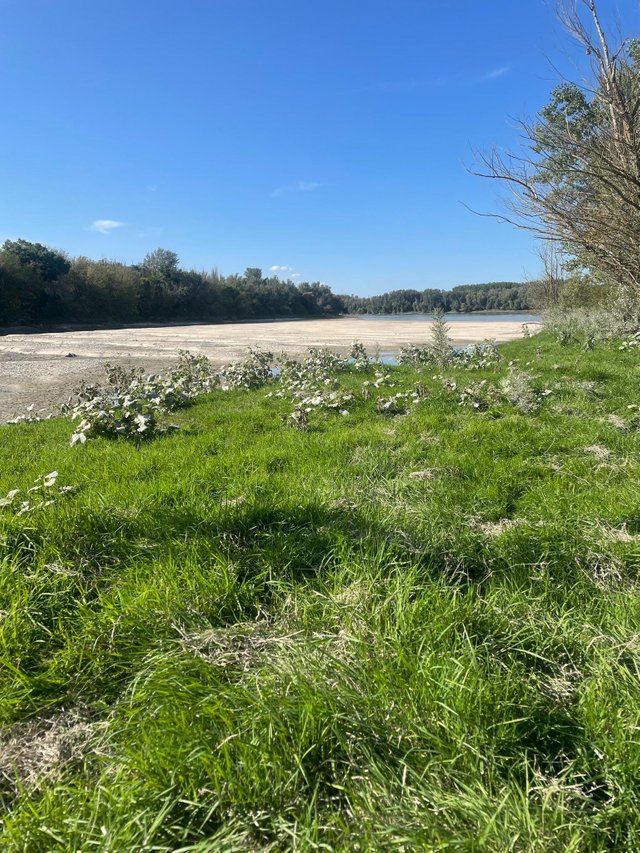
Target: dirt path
[{"x": 38, "y": 368}]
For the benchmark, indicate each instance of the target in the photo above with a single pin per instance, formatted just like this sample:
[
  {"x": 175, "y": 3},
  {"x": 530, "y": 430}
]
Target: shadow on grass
[
  {"x": 290, "y": 542},
  {"x": 106, "y": 635}
]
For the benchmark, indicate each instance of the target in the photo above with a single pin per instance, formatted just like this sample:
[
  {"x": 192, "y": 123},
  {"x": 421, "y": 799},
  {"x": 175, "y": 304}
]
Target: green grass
[{"x": 240, "y": 636}]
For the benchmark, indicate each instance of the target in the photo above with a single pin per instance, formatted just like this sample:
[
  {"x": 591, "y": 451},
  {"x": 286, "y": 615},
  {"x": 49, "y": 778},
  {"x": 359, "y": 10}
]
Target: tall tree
[
  {"x": 162, "y": 263},
  {"x": 47, "y": 263},
  {"x": 578, "y": 180}
]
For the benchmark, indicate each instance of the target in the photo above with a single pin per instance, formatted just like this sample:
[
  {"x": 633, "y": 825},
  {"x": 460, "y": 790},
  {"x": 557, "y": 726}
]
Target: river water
[{"x": 457, "y": 318}]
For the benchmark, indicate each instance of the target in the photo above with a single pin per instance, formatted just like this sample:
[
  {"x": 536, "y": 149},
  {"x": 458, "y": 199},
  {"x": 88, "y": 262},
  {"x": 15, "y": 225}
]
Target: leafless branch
[{"x": 577, "y": 182}]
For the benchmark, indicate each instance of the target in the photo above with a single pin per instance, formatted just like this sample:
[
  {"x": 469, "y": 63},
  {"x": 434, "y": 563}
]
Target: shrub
[
  {"x": 359, "y": 355},
  {"x": 130, "y": 404},
  {"x": 254, "y": 372},
  {"x": 517, "y": 388},
  {"x": 412, "y": 354},
  {"x": 621, "y": 319},
  {"x": 43, "y": 493},
  {"x": 478, "y": 356},
  {"x": 442, "y": 351},
  {"x": 439, "y": 351}
]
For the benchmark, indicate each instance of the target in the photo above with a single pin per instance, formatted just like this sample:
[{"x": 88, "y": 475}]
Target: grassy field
[{"x": 385, "y": 632}]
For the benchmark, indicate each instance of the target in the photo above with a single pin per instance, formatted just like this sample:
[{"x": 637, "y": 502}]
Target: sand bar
[{"x": 36, "y": 368}]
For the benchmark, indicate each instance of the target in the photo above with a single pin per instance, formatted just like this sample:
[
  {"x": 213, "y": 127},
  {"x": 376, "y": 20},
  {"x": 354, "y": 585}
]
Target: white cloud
[
  {"x": 105, "y": 226},
  {"x": 497, "y": 72},
  {"x": 298, "y": 187},
  {"x": 277, "y": 268},
  {"x": 296, "y": 275}
]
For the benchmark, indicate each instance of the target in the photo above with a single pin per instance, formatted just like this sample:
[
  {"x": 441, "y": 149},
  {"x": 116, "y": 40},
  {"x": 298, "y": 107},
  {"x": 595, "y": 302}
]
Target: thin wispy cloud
[
  {"x": 279, "y": 268},
  {"x": 105, "y": 226},
  {"x": 296, "y": 275},
  {"x": 496, "y": 73},
  {"x": 298, "y": 187}
]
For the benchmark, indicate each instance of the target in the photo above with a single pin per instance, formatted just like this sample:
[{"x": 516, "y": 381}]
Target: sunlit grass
[{"x": 384, "y": 632}]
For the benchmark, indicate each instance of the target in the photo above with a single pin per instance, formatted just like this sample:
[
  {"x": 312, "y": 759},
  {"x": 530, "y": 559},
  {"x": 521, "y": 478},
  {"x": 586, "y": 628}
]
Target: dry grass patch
[
  {"x": 427, "y": 474},
  {"x": 37, "y": 750},
  {"x": 243, "y": 646},
  {"x": 599, "y": 451},
  {"x": 493, "y": 529},
  {"x": 617, "y": 421},
  {"x": 615, "y": 534}
]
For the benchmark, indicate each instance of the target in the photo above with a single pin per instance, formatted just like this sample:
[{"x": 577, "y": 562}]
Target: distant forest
[
  {"x": 39, "y": 285},
  {"x": 493, "y": 296}
]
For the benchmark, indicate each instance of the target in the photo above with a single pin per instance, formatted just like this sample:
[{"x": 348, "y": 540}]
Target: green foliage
[
  {"x": 492, "y": 296},
  {"x": 619, "y": 317},
  {"x": 40, "y": 285},
  {"x": 378, "y": 633},
  {"x": 161, "y": 263},
  {"x": 584, "y": 291},
  {"x": 47, "y": 263},
  {"x": 575, "y": 179},
  {"x": 32, "y": 281}
]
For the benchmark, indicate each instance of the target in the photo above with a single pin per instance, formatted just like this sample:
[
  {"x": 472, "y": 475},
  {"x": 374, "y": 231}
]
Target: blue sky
[{"x": 328, "y": 139}]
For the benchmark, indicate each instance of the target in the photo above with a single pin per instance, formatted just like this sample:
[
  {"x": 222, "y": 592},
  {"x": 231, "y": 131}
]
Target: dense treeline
[
  {"x": 41, "y": 285},
  {"x": 492, "y": 296}
]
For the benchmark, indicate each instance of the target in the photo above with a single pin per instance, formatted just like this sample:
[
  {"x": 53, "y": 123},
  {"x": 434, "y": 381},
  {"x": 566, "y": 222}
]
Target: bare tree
[
  {"x": 546, "y": 291},
  {"x": 577, "y": 181}
]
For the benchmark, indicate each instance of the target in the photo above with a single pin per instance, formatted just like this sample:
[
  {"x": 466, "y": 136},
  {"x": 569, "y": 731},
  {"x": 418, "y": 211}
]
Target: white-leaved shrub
[
  {"x": 400, "y": 403},
  {"x": 441, "y": 350},
  {"x": 484, "y": 356},
  {"x": 359, "y": 355},
  {"x": 477, "y": 395},
  {"x": 30, "y": 416},
  {"x": 397, "y": 404},
  {"x": 131, "y": 403},
  {"x": 518, "y": 389},
  {"x": 299, "y": 419},
  {"x": 632, "y": 343},
  {"x": 43, "y": 493},
  {"x": 252, "y": 372},
  {"x": 381, "y": 378},
  {"x": 589, "y": 326},
  {"x": 312, "y": 386},
  {"x": 415, "y": 355}
]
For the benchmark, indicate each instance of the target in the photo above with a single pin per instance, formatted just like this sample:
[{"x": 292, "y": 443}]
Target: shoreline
[
  {"x": 44, "y": 368},
  {"x": 61, "y": 328}
]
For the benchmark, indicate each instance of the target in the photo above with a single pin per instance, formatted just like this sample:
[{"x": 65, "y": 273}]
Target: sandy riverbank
[{"x": 35, "y": 368}]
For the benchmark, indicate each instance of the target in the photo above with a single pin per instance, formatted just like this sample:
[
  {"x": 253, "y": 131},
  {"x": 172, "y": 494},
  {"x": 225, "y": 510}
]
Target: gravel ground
[{"x": 45, "y": 368}]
